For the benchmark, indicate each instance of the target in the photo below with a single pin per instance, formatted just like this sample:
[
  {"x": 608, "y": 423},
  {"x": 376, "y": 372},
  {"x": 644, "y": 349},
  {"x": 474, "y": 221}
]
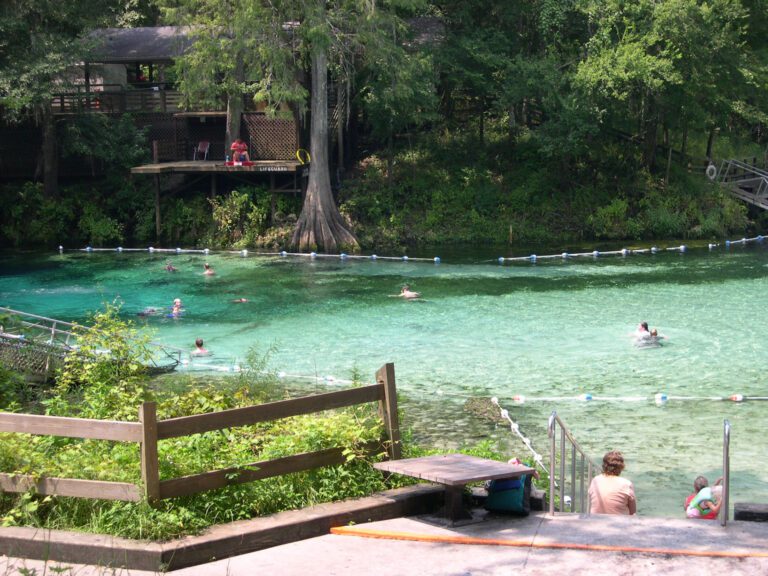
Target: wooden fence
[{"x": 149, "y": 430}]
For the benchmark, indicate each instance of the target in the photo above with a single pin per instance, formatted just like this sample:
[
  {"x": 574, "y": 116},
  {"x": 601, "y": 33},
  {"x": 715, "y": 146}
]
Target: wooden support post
[
  {"x": 157, "y": 207},
  {"x": 388, "y": 409},
  {"x": 150, "y": 467},
  {"x": 214, "y": 184},
  {"x": 272, "y": 207}
]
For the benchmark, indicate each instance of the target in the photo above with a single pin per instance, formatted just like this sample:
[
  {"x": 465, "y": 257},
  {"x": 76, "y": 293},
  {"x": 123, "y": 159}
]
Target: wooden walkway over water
[
  {"x": 219, "y": 167},
  {"x": 284, "y": 176},
  {"x": 37, "y": 345},
  {"x": 745, "y": 180}
]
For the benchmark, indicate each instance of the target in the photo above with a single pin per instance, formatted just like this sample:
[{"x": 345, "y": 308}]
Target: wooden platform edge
[{"x": 222, "y": 541}]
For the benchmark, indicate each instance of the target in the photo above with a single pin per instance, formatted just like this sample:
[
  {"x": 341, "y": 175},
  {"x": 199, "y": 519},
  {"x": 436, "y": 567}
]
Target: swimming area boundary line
[
  {"x": 436, "y": 260},
  {"x": 469, "y": 540}
]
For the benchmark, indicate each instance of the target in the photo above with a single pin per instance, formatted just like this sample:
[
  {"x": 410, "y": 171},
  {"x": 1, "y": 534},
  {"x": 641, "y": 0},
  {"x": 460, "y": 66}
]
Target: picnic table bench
[{"x": 454, "y": 471}]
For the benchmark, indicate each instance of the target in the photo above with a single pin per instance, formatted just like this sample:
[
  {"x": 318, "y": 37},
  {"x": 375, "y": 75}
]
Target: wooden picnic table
[{"x": 454, "y": 471}]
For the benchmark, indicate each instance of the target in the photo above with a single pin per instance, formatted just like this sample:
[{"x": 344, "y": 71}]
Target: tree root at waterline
[{"x": 318, "y": 231}]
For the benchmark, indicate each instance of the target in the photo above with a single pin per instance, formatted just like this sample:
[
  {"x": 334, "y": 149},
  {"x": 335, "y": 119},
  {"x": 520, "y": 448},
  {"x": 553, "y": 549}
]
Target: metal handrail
[
  {"x": 565, "y": 434},
  {"x": 51, "y": 325},
  {"x": 726, "y": 471}
]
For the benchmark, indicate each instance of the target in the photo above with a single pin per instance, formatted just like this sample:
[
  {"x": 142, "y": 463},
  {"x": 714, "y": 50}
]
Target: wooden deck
[{"x": 218, "y": 167}]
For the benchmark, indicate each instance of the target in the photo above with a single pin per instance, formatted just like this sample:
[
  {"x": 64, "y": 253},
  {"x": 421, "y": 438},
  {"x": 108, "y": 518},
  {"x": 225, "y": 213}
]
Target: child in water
[{"x": 707, "y": 501}]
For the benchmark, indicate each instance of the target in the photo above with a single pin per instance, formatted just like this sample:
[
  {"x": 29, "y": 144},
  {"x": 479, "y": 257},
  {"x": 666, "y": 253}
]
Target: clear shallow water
[{"x": 554, "y": 329}]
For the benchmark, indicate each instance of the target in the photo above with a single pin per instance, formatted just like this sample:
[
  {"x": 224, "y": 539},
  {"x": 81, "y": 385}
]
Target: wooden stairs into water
[
  {"x": 743, "y": 179},
  {"x": 37, "y": 346}
]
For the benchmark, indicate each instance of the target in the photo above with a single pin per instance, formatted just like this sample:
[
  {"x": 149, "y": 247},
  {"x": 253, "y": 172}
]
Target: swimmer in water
[
  {"x": 208, "y": 271},
  {"x": 177, "y": 308},
  {"x": 148, "y": 311},
  {"x": 170, "y": 267},
  {"x": 199, "y": 349},
  {"x": 240, "y": 300},
  {"x": 408, "y": 294}
]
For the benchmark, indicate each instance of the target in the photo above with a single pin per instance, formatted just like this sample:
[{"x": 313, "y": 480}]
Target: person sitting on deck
[
  {"x": 240, "y": 151},
  {"x": 608, "y": 492}
]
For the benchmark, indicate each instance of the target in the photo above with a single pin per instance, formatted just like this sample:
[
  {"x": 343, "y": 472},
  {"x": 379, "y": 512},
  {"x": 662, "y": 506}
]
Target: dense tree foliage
[{"x": 509, "y": 122}]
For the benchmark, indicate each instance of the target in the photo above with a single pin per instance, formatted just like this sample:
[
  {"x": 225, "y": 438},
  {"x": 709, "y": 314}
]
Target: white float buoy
[
  {"x": 505, "y": 413},
  {"x": 243, "y": 252},
  {"x": 585, "y": 397},
  {"x": 151, "y": 249},
  {"x": 624, "y": 252},
  {"x": 405, "y": 258},
  {"x": 283, "y": 253},
  {"x": 178, "y": 250},
  {"x": 533, "y": 257},
  {"x": 119, "y": 248},
  {"x": 596, "y": 253},
  {"x": 654, "y": 249},
  {"x": 343, "y": 256},
  {"x": 373, "y": 256},
  {"x": 206, "y": 251},
  {"x": 565, "y": 254},
  {"x": 281, "y": 374},
  {"x": 313, "y": 255},
  {"x": 660, "y": 399},
  {"x": 437, "y": 259},
  {"x": 61, "y": 248},
  {"x": 89, "y": 248},
  {"x": 495, "y": 401},
  {"x": 727, "y": 243},
  {"x": 683, "y": 248}
]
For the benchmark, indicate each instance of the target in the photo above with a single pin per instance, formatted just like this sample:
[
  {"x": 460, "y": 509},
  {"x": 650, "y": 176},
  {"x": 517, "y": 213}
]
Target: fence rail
[
  {"x": 580, "y": 476},
  {"x": 148, "y": 431}
]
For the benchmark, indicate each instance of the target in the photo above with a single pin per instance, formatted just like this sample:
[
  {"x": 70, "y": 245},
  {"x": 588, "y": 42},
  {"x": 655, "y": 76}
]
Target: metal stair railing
[
  {"x": 726, "y": 471},
  {"x": 576, "y": 476},
  {"x": 735, "y": 173},
  {"x": 54, "y": 338}
]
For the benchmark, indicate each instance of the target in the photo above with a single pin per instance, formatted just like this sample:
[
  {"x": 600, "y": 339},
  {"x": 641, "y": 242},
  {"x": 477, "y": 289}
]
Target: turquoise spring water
[{"x": 551, "y": 329}]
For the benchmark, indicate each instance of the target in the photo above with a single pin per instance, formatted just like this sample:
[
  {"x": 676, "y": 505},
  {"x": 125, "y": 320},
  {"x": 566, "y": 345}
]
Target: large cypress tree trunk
[
  {"x": 234, "y": 109},
  {"x": 320, "y": 225}
]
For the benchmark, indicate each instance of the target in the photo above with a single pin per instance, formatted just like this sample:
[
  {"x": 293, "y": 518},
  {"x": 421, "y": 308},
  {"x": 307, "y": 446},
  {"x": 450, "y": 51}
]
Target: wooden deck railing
[{"x": 149, "y": 431}]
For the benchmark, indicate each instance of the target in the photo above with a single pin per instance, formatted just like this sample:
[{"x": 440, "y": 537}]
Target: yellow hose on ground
[{"x": 444, "y": 539}]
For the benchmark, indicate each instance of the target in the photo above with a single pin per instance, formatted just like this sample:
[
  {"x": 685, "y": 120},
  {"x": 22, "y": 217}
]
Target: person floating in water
[
  {"x": 177, "y": 308},
  {"x": 207, "y": 270},
  {"x": 149, "y": 311},
  {"x": 645, "y": 337},
  {"x": 240, "y": 300},
  {"x": 199, "y": 349},
  {"x": 170, "y": 267},
  {"x": 408, "y": 294}
]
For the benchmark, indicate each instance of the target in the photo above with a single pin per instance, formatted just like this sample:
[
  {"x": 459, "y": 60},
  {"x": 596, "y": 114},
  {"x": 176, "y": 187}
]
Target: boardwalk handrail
[
  {"x": 565, "y": 435},
  {"x": 60, "y": 332},
  {"x": 148, "y": 431},
  {"x": 726, "y": 471}
]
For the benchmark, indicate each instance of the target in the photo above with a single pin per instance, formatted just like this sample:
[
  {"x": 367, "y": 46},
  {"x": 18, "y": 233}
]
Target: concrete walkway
[{"x": 537, "y": 545}]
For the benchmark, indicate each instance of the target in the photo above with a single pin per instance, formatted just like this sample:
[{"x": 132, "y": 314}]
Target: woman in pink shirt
[{"x": 608, "y": 492}]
